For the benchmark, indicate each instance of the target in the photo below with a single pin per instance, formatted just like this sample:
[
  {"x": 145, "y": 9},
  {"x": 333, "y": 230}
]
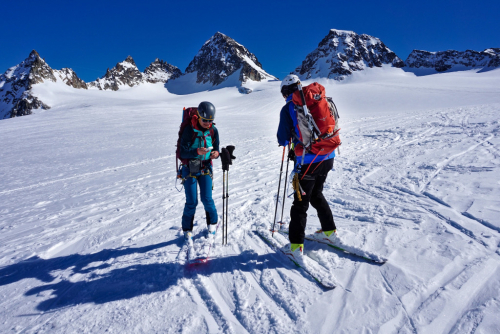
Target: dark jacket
[{"x": 190, "y": 142}]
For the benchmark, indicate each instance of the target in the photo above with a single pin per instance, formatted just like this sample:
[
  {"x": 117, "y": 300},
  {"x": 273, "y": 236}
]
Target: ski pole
[
  {"x": 226, "y": 158},
  {"x": 284, "y": 190},
  {"x": 227, "y": 200},
  {"x": 223, "y": 204},
  {"x": 279, "y": 186}
]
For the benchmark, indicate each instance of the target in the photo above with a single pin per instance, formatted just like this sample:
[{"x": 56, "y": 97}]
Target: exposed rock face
[
  {"x": 222, "y": 56},
  {"x": 495, "y": 54},
  {"x": 341, "y": 53},
  {"x": 161, "y": 71},
  {"x": 444, "y": 60},
  {"x": 124, "y": 73},
  {"x": 26, "y": 105},
  {"x": 15, "y": 86},
  {"x": 69, "y": 77}
]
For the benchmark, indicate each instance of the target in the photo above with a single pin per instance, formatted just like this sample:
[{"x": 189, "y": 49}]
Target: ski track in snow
[{"x": 91, "y": 241}]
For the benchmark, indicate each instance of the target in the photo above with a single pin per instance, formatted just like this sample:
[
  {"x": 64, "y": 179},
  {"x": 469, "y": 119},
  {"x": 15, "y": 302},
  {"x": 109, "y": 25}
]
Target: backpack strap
[{"x": 311, "y": 164}]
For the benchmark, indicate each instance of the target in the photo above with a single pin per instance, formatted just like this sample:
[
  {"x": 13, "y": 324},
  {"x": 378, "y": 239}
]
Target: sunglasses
[{"x": 206, "y": 120}]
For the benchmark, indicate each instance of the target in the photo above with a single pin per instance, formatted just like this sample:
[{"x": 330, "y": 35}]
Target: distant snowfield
[{"x": 90, "y": 217}]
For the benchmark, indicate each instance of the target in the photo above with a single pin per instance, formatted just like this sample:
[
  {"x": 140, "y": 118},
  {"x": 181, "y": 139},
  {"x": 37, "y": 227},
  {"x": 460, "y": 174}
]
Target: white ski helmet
[{"x": 289, "y": 80}]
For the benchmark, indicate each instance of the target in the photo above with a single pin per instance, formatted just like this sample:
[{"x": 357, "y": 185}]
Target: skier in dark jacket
[
  {"x": 311, "y": 184},
  {"x": 199, "y": 145}
]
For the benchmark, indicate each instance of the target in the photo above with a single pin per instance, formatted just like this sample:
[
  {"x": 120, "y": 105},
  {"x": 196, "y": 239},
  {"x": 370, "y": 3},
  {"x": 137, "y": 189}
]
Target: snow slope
[{"x": 90, "y": 215}]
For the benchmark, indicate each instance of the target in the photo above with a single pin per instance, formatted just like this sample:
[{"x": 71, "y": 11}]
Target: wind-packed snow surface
[{"x": 90, "y": 217}]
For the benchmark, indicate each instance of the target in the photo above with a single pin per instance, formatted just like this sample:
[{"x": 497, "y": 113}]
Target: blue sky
[{"x": 90, "y": 36}]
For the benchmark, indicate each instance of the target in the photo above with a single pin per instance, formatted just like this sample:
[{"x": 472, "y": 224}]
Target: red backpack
[{"x": 324, "y": 139}]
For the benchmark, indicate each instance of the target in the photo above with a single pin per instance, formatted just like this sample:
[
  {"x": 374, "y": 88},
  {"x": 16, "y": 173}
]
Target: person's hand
[
  {"x": 214, "y": 155},
  {"x": 202, "y": 150}
]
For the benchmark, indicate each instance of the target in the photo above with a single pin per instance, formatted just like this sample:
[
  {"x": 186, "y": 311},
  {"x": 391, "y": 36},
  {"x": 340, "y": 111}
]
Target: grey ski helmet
[
  {"x": 289, "y": 84},
  {"x": 206, "y": 110}
]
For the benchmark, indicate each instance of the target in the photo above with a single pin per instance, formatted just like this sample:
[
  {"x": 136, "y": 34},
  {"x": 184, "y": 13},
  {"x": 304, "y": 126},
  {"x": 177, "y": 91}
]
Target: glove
[
  {"x": 225, "y": 158},
  {"x": 291, "y": 155},
  {"x": 230, "y": 149}
]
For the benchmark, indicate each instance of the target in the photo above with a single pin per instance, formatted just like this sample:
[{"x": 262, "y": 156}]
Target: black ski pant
[{"x": 312, "y": 185}]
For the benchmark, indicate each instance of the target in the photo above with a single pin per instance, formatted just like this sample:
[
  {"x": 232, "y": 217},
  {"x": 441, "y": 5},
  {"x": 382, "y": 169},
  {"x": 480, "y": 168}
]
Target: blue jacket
[{"x": 288, "y": 127}]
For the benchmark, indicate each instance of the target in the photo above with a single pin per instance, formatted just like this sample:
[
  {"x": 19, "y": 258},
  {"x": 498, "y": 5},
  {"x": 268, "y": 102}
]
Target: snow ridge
[
  {"x": 445, "y": 60},
  {"x": 69, "y": 77},
  {"x": 342, "y": 52}
]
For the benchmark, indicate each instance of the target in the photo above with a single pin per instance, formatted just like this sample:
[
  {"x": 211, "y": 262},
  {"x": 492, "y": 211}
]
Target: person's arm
[
  {"x": 215, "y": 144},
  {"x": 186, "y": 142},
  {"x": 285, "y": 126}
]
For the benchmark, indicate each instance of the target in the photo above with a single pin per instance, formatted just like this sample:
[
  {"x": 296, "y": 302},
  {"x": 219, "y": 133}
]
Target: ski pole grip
[{"x": 225, "y": 157}]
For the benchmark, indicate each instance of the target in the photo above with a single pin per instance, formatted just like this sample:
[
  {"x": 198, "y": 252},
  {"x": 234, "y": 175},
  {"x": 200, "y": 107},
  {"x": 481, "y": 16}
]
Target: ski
[
  {"x": 203, "y": 251},
  {"x": 352, "y": 251},
  {"x": 312, "y": 270}
]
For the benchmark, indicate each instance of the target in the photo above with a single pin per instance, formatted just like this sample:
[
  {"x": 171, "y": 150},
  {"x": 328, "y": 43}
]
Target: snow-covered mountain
[
  {"x": 220, "y": 57},
  {"x": 341, "y": 53},
  {"x": 221, "y": 62},
  {"x": 15, "y": 86},
  {"x": 16, "y": 96},
  {"x": 125, "y": 73},
  {"x": 161, "y": 71},
  {"x": 445, "y": 60}
]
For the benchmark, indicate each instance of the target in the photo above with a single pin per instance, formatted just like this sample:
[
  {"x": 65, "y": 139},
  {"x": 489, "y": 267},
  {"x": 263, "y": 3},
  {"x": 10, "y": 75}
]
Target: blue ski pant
[{"x": 190, "y": 188}]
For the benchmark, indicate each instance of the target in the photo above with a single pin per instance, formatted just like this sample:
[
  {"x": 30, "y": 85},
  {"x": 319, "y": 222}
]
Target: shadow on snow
[{"x": 120, "y": 283}]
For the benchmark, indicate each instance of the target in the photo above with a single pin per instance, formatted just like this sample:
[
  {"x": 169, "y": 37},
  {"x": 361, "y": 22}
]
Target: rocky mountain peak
[
  {"x": 341, "y": 52},
  {"x": 124, "y": 73},
  {"x": 37, "y": 69},
  {"x": 161, "y": 71},
  {"x": 448, "y": 60},
  {"x": 33, "y": 55},
  {"x": 130, "y": 60},
  {"x": 16, "y": 98},
  {"x": 16, "y": 83},
  {"x": 220, "y": 57}
]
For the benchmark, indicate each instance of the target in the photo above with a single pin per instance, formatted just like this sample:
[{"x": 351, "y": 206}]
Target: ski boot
[
  {"x": 327, "y": 237},
  {"x": 211, "y": 229},
  {"x": 188, "y": 238},
  {"x": 296, "y": 253}
]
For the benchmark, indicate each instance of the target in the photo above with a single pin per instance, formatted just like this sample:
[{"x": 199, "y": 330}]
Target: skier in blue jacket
[{"x": 199, "y": 145}]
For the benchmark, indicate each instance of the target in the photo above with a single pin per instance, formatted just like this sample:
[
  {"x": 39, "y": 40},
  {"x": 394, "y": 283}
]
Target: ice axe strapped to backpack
[{"x": 227, "y": 157}]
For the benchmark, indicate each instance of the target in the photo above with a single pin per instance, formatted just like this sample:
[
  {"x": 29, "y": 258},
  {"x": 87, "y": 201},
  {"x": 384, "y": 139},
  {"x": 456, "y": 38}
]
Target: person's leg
[
  {"x": 205, "y": 183},
  {"x": 318, "y": 200},
  {"x": 190, "y": 190},
  {"x": 298, "y": 212}
]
